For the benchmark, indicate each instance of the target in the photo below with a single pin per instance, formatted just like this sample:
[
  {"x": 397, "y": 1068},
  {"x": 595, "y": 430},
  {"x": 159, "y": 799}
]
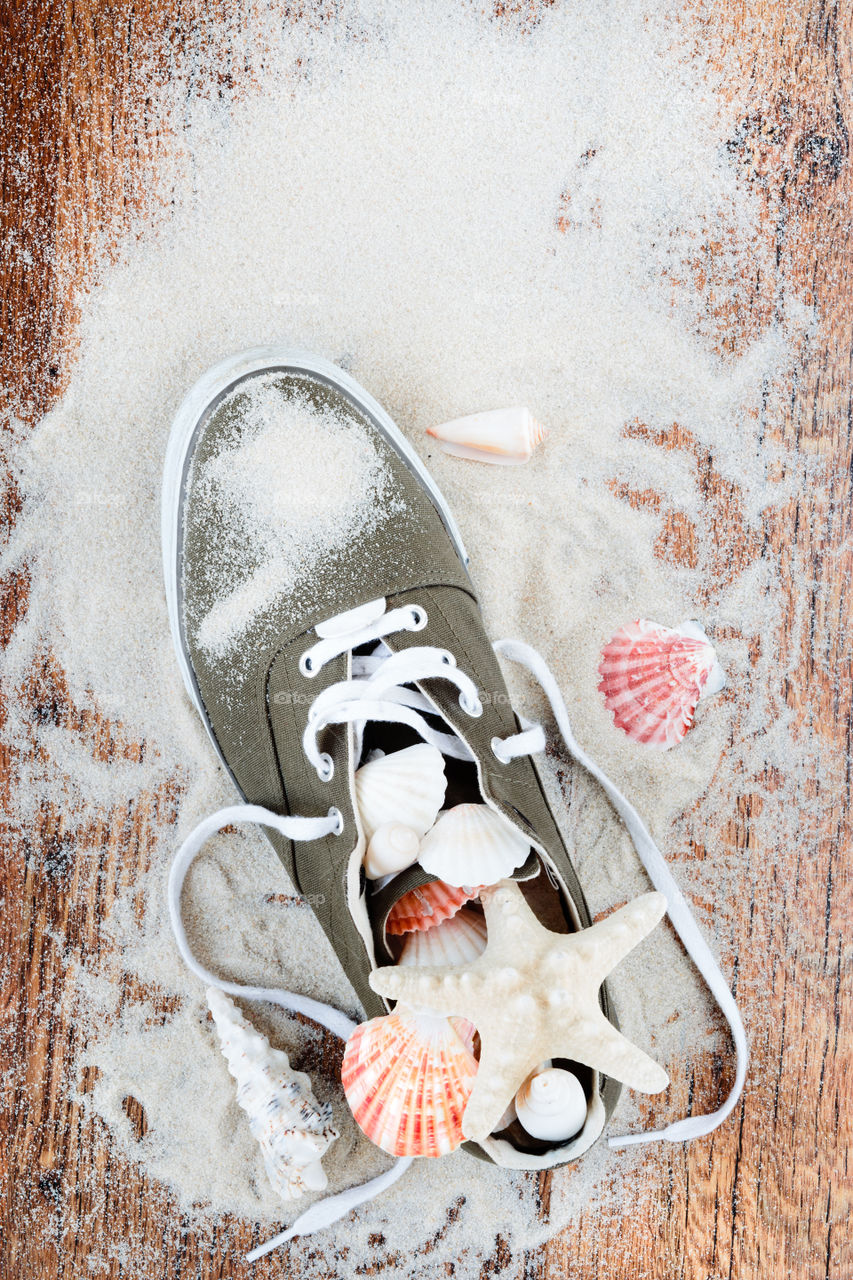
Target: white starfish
[{"x": 532, "y": 995}]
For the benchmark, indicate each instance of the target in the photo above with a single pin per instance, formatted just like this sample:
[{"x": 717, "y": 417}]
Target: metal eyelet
[
  {"x": 473, "y": 709},
  {"x": 326, "y": 769},
  {"x": 419, "y": 617},
  {"x": 306, "y": 666},
  {"x": 339, "y": 821}
]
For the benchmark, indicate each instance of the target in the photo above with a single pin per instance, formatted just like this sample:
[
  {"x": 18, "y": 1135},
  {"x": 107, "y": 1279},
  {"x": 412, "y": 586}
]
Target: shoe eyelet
[
  {"x": 306, "y": 666},
  {"x": 447, "y": 658},
  {"x": 473, "y": 709},
  {"x": 326, "y": 768},
  {"x": 339, "y": 821},
  {"x": 496, "y": 744},
  {"x": 419, "y": 618}
]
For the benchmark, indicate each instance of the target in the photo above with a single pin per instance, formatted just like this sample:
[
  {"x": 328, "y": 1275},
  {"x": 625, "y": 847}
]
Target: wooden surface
[{"x": 769, "y": 1195}]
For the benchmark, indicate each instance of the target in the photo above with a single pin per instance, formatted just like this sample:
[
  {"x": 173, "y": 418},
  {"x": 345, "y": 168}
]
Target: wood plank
[{"x": 769, "y": 1194}]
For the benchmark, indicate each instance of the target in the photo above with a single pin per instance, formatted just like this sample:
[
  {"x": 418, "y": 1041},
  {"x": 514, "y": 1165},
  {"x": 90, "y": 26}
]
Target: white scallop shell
[
  {"x": 292, "y": 1128},
  {"x": 551, "y": 1104},
  {"x": 506, "y": 436},
  {"x": 406, "y": 786},
  {"x": 458, "y": 940},
  {"x": 470, "y": 844},
  {"x": 392, "y": 848}
]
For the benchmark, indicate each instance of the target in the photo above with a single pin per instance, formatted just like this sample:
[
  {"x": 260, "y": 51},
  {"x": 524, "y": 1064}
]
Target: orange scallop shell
[
  {"x": 407, "y": 1078},
  {"x": 428, "y": 905}
]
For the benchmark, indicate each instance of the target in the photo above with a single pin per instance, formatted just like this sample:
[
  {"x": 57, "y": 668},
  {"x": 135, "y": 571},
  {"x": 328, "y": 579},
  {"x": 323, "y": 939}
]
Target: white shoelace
[{"x": 376, "y": 692}]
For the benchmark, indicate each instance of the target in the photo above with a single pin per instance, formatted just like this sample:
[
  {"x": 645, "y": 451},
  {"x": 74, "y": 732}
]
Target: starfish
[{"x": 532, "y": 995}]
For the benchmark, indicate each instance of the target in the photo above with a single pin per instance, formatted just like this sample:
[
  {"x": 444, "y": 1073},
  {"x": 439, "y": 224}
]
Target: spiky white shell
[
  {"x": 506, "y": 436},
  {"x": 470, "y": 844},
  {"x": 292, "y": 1128},
  {"x": 407, "y": 1078},
  {"x": 652, "y": 678},
  {"x": 551, "y": 1104},
  {"x": 458, "y": 940},
  {"x": 406, "y": 786}
]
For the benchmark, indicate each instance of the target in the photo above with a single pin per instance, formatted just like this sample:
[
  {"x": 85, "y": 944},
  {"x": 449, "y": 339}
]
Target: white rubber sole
[{"x": 212, "y": 387}]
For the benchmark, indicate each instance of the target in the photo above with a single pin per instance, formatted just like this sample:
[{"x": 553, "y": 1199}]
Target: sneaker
[{"x": 323, "y": 614}]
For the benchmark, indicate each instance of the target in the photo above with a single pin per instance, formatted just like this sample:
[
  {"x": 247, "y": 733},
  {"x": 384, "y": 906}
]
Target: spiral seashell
[
  {"x": 470, "y": 844},
  {"x": 392, "y": 848},
  {"x": 506, "y": 436},
  {"x": 292, "y": 1128},
  {"x": 426, "y": 906},
  {"x": 652, "y": 678},
  {"x": 457, "y": 940},
  {"x": 551, "y": 1104},
  {"x": 406, "y": 786},
  {"x": 407, "y": 1078}
]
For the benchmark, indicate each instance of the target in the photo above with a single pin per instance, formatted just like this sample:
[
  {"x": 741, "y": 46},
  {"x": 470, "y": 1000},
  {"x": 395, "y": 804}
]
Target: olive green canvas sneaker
[
  {"x": 323, "y": 616},
  {"x": 322, "y": 612}
]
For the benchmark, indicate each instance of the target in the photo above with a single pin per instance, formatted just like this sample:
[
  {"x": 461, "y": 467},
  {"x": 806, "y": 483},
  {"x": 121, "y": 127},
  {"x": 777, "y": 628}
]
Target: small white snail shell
[
  {"x": 392, "y": 848},
  {"x": 551, "y": 1104}
]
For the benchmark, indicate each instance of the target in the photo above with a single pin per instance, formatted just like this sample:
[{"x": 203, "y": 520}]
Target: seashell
[
  {"x": 457, "y": 940},
  {"x": 551, "y": 1104},
  {"x": 471, "y": 845},
  {"x": 652, "y": 677},
  {"x": 407, "y": 1077},
  {"x": 393, "y": 847},
  {"x": 292, "y": 1128},
  {"x": 506, "y": 436},
  {"x": 427, "y": 906},
  {"x": 406, "y": 786}
]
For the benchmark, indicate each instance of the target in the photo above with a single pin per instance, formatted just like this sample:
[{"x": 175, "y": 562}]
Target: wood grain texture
[{"x": 769, "y": 1194}]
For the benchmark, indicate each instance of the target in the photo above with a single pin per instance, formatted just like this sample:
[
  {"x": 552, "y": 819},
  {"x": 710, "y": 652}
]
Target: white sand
[
  {"x": 395, "y": 205},
  {"x": 299, "y": 485}
]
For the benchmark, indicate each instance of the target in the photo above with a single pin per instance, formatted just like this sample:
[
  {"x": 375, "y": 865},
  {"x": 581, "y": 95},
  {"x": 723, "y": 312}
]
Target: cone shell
[
  {"x": 392, "y": 848},
  {"x": 425, "y": 907},
  {"x": 407, "y": 1078},
  {"x": 652, "y": 677},
  {"x": 471, "y": 845},
  {"x": 406, "y": 786},
  {"x": 551, "y": 1104},
  {"x": 292, "y": 1128},
  {"x": 506, "y": 436},
  {"x": 458, "y": 940}
]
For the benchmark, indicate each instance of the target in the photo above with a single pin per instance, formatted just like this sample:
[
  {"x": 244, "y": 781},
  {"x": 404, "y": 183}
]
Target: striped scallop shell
[
  {"x": 471, "y": 845},
  {"x": 427, "y": 906},
  {"x": 458, "y": 940},
  {"x": 407, "y": 1078},
  {"x": 406, "y": 786},
  {"x": 652, "y": 677}
]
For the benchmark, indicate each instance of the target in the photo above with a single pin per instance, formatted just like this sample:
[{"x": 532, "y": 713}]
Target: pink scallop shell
[
  {"x": 407, "y": 1078},
  {"x": 428, "y": 905},
  {"x": 652, "y": 678}
]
